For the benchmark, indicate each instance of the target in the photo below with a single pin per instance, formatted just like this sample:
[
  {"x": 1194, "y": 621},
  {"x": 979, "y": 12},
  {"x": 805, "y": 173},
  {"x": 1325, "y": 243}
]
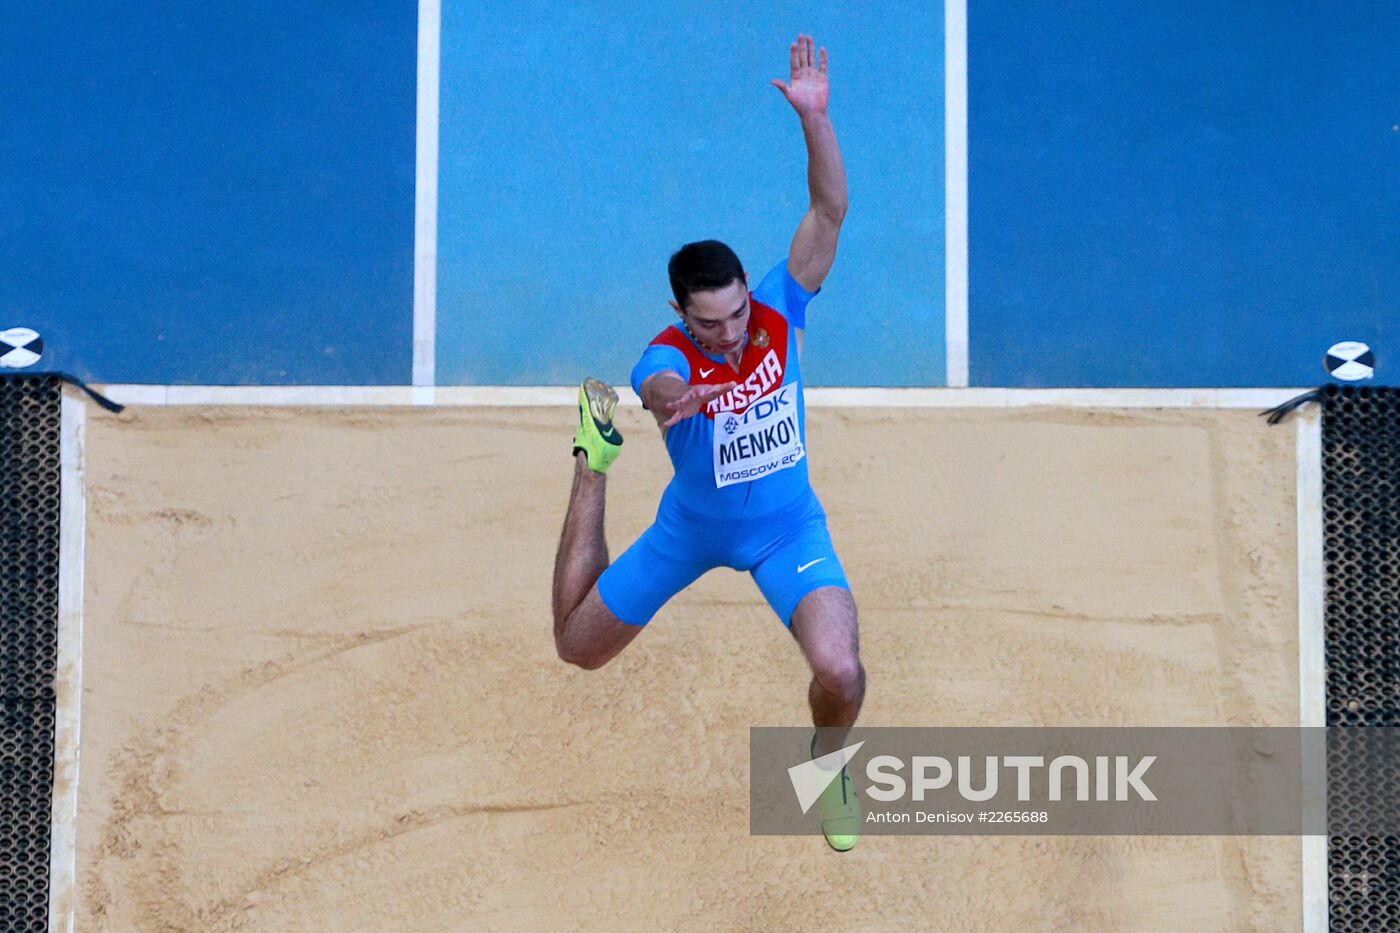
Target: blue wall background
[
  {"x": 1160, "y": 194},
  {"x": 581, "y": 145},
  {"x": 210, "y": 193},
  {"x": 1168, "y": 194}
]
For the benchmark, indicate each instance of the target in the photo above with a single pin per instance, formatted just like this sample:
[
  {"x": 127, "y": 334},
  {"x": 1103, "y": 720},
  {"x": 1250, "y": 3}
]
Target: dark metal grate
[
  {"x": 29, "y": 484},
  {"x": 1361, "y": 548}
]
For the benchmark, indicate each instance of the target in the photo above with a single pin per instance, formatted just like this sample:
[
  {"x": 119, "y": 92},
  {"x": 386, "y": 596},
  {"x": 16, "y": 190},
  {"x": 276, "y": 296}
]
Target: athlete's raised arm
[{"x": 814, "y": 245}]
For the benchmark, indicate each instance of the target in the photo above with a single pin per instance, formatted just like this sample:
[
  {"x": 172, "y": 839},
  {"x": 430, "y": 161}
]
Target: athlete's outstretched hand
[
  {"x": 806, "y": 89},
  {"x": 693, "y": 400}
]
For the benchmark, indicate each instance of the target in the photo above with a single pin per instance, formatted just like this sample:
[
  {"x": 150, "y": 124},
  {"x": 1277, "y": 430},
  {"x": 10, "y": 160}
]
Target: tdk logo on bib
[{"x": 763, "y": 440}]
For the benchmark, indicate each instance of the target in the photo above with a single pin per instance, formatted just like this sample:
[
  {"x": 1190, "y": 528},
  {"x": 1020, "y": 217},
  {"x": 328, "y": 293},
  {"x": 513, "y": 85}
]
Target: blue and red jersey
[{"x": 745, "y": 453}]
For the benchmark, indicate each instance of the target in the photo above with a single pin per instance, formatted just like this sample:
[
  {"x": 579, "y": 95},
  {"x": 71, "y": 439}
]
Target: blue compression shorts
[{"x": 788, "y": 552}]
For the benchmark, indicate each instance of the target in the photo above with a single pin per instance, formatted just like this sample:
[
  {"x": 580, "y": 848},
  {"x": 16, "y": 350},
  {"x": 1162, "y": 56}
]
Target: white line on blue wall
[
  {"x": 425, "y": 201},
  {"x": 955, "y": 190}
]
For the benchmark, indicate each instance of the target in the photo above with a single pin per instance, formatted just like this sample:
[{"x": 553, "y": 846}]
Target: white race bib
[{"x": 763, "y": 440}]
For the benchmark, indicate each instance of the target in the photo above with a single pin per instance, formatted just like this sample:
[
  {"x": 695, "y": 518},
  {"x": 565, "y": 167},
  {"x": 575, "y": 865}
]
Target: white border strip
[
  {"x": 1312, "y": 698},
  {"x": 425, "y": 202},
  {"x": 955, "y": 190},
  {"x": 68, "y": 681},
  {"x": 547, "y": 396}
]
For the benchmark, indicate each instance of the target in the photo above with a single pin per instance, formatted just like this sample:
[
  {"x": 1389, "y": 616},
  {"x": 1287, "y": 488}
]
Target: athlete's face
[{"x": 718, "y": 318}]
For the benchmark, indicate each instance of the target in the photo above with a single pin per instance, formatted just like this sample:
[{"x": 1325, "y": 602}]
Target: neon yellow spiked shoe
[
  {"x": 596, "y": 436},
  {"x": 840, "y": 810}
]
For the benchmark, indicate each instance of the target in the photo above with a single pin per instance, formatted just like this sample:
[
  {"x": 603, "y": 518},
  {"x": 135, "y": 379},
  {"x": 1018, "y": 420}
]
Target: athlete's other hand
[
  {"x": 692, "y": 401},
  {"x": 806, "y": 89}
]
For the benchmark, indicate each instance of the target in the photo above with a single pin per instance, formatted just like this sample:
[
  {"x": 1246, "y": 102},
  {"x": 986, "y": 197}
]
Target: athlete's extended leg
[
  {"x": 586, "y": 633},
  {"x": 802, "y": 579},
  {"x": 825, "y": 626}
]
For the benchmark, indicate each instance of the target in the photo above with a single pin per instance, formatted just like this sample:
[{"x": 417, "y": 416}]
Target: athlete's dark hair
[{"x": 702, "y": 267}]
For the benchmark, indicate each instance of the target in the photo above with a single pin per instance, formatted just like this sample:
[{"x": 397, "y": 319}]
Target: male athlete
[{"x": 724, "y": 384}]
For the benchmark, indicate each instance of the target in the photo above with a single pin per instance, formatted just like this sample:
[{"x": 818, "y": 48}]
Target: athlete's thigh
[
  {"x": 593, "y": 636},
  {"x": 656, "y": 567},
  {"x": 825, "y": 627},
  {"x": 804, "y": 562}
]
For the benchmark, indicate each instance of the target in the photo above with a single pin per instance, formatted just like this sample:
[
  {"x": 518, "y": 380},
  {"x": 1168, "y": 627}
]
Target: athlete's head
[{"x": 712, "y": 294}]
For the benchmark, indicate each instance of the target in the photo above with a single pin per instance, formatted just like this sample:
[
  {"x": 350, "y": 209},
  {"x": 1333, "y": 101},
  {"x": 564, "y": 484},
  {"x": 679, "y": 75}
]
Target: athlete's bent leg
[
  {"x": 586, "y": 633},
  {"x": 826, "y": 628},
  {"x": 592, "y": 635}
]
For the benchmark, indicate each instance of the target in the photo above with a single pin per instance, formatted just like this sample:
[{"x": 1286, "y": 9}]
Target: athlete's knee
[
  {"x": 579, "y": 655},
  {"x": 842, "y": 675},
  {"x": 583, "y": 659}
]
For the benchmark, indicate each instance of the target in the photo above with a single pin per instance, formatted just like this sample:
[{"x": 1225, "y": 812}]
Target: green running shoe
[
  {"x": 596, "y": 436},
  {"x": 840, "y": 810}
]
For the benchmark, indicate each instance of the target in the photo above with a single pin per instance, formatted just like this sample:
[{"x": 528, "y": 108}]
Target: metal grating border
[
  {"x": 1361, "y": 550},
  {"x": 30, "y": 409}
]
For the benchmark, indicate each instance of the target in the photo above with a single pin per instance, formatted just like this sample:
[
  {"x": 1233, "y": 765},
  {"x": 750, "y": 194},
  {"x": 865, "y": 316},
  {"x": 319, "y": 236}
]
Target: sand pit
[{"x": 320, "y": 690}]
